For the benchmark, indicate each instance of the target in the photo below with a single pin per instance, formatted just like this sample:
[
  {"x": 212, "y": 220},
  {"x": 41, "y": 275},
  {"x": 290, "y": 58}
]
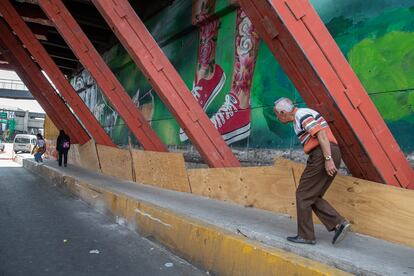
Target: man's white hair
[{"x": 284, "y": 104}]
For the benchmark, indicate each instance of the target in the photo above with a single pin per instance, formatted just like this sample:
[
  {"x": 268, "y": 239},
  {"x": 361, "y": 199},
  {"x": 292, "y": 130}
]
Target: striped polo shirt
[{"x": 307, "y": 124}]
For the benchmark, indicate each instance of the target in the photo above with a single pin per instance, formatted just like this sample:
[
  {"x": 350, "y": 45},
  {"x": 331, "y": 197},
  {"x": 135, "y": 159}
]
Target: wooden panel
[
  {"x": 374, "y": 209},
  {"x": 222, "y": 184},
  {"x": 51, "y": 152},
  {"x": 115, "y": 162},
  {"x": 50, "y": 130},
  {"x": 165, "y": 170},
  {"x": 74, "y": 156},
  {"x": 266, "y": 188},
  {"x": 89, "y": 156},
  {"x": 296, "y": 170}
]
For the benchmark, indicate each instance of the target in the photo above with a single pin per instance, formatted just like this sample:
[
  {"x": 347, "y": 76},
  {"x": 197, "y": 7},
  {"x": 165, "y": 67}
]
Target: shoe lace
[
  {"x": 196, "y": 91},
  {"x": 225, "y": 112}
]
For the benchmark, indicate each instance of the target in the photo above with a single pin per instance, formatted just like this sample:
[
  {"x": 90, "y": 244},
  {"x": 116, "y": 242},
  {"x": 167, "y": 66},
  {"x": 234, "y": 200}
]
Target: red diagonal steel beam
[
  {"x": 165, "y": 80},
  {"x": 309, "y": 55},
  {"x": 17, "y": 24},
  {"x": 39, "y": 86},
  {"x": 109, "y": 84}
]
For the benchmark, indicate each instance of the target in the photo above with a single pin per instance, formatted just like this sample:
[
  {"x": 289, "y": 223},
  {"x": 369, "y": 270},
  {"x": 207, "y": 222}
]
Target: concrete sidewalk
[{"x": 357, "y": 254}]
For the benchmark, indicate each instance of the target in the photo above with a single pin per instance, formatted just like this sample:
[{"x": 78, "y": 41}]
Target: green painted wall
[{"x": 377, "y": 37}]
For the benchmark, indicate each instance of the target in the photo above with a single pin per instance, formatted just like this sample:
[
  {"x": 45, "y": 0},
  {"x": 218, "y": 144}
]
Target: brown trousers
[{"x": 313, "y": 184}]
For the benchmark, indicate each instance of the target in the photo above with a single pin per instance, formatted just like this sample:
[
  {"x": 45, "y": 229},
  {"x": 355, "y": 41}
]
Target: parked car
[
  {"x": 1, "y": 145},
  {"x": 24, "y": 143}
]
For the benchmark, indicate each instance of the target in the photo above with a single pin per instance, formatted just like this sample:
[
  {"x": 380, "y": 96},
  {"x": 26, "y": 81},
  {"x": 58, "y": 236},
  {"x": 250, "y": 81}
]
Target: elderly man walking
[{"x": 324, "y": 158}]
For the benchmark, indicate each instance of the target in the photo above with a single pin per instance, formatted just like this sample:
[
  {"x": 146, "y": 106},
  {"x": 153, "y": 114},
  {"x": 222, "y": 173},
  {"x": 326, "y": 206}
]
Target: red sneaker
[
  {"x": 232, "y": 122},
  {"x": 205, "y": 91}
]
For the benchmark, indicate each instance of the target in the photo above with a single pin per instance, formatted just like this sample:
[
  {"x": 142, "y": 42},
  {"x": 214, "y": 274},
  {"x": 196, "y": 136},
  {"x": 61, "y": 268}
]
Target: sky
[{"x": 30, "y": 105}]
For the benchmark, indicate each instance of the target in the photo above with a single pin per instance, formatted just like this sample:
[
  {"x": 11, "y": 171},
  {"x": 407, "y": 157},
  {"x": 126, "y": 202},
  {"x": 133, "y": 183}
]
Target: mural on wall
[
  {"x": 90, "y": 93},
  {"x": 232, "y": 119},
  {"x": 235, "y": 78}
]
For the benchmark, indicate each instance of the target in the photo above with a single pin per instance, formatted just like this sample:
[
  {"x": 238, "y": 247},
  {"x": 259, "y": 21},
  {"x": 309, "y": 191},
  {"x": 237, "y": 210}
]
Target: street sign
[{"x": 3, "y": 114}]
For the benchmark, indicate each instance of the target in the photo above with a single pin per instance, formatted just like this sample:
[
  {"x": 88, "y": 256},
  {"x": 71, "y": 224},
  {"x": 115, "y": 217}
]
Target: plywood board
[
  {"x": 74, "y": 156},
  {"x": 115, "y": 162},
  {"x": 89, "y": 156},
  {"x": 50, "y": 130},
  {"x": 221, "y": 184},
  {"x": 296, "y": 170},
  {"x": 162, "y": 169},
  {"x": 374, "y": 209},
  {"x": 51, "y": 152},
  {"x": 266, "y": 188}
]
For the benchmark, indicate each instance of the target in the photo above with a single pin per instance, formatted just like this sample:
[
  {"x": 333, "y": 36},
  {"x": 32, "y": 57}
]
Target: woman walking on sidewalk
[{"x": 63, "y": 146}]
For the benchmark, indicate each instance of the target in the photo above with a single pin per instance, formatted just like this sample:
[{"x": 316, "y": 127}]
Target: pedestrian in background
[
  {"x": 324, "y": 159},
  {"x": 63, "y": 146},
  {"x": 39, "y": 149}
]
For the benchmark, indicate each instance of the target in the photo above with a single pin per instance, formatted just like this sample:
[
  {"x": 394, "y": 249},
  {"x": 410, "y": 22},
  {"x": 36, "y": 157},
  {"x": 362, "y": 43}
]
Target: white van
[{"x": 24, "y": 143}]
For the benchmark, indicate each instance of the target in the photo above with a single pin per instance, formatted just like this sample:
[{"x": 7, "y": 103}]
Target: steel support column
[
  {"x": 309, "y": 55},
  {"x": 36, "y": 49},
  {"x": 94, "y": 63},
  {"x": 39, "y": 86},
  {"x": 165, "y": 80}
]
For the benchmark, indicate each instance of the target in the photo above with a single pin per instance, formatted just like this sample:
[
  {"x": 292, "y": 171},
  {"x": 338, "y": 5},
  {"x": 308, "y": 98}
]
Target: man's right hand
[{"x": 330, "y": 167}]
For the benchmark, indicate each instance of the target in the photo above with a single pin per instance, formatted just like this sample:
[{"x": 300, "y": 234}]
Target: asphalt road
[{"x": 44, "y": 230}]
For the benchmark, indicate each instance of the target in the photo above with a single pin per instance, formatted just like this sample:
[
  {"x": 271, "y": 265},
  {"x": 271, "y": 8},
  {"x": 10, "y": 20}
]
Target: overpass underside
[{"x": 15, "y": 94}]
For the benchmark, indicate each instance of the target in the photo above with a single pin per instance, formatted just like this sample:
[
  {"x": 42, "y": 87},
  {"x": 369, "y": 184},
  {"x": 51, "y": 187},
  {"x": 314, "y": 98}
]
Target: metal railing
[{"x": 12, "y": 84}]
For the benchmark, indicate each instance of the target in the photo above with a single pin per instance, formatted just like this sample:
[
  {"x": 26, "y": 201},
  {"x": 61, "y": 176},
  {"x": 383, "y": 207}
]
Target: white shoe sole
[
  {"x": 183, "y": 136},
  {"x": 237, "y": 135}
]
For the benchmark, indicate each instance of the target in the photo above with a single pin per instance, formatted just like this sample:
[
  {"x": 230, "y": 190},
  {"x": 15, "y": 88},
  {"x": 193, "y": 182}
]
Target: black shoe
[
  {"x": 341, "y": 232},
  {"x": 66, "y": 165},
  {"x": 297, "y": 239}
]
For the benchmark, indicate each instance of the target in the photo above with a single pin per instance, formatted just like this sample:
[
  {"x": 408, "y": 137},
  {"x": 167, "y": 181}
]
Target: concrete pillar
[{"x": 26, "y": 121}]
